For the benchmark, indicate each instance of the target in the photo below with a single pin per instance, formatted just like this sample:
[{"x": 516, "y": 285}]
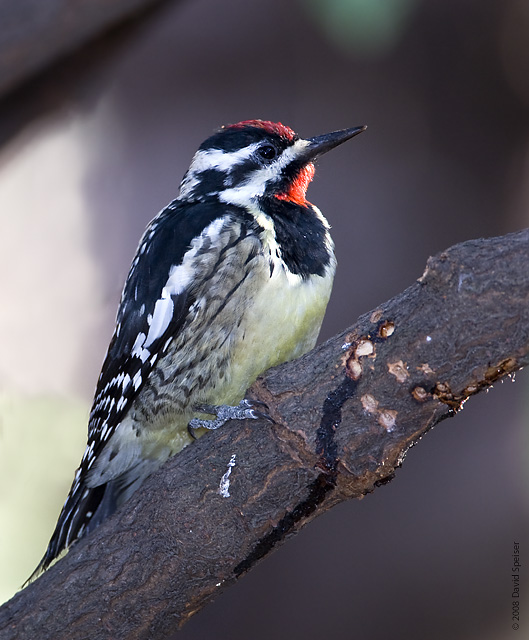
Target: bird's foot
[{"x": 246, "y": 409}]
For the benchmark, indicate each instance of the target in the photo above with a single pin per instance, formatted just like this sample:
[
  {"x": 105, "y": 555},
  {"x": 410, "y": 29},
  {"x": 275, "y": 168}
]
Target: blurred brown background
[{"x": 96, "y": 144}]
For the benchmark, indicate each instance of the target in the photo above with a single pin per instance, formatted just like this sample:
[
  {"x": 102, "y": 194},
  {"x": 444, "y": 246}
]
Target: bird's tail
[{"x": 84, "y": 509}]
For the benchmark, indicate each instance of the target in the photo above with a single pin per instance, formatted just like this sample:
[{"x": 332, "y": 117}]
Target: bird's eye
[{"x": 267, "y": 152}]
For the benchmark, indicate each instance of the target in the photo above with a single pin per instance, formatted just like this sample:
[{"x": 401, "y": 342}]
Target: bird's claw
[{"x": 246, "y": 409}]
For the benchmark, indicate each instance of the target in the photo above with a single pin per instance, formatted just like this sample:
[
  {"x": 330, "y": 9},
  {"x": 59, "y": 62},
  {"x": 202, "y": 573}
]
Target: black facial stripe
[
  {"x": 210, "y": 181},
  {"x": 241, "y": 171}
]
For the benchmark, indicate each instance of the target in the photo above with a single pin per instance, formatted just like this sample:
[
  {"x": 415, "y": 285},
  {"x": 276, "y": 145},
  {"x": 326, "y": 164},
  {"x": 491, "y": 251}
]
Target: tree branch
[
  {"x": 32, "y": 39},
  {"x": 345, "y": 415}
]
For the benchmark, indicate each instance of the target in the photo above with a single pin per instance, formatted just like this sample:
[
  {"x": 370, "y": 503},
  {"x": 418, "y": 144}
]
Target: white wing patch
[
  {"x": 136, "y": 381},
  {"x": 122, "y": 388},
  {"x": 180, "y": 277},
  {"x": 160, "y": 319},
  {"x": 126, "y": 381}
]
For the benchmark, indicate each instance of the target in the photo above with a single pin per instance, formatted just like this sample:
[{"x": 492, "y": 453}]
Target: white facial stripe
[
  {"x": 290, "y": 153},
  {"x": 215, "y": 159},
  {"x": 221, "y": 160},
  {"x": 255, "y": 185}
]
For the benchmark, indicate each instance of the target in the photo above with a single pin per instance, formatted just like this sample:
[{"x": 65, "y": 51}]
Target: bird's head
[{"x": 255, "y": 159}]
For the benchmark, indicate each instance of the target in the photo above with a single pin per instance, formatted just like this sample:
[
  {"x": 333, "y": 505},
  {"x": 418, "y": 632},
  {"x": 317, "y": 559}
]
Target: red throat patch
[{"x": 298, "y": 188}]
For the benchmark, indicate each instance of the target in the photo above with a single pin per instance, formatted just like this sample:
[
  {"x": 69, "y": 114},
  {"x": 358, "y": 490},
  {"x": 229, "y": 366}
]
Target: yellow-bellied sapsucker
[{"x": 231, "y": 278}]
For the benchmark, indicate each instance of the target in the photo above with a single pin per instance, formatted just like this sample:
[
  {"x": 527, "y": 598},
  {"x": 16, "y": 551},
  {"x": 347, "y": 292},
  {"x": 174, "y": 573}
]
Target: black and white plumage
[{"x": 231, "y": 278}]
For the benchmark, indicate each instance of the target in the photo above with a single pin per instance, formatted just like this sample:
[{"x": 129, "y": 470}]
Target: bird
[{"x": 229, "y": 279}]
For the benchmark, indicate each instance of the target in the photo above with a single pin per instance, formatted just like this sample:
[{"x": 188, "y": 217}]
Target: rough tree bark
[{"x": 344, "y": 417}]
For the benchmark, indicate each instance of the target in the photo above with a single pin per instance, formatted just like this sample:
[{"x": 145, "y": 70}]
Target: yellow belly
[{"x": 282, "y": 323}]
